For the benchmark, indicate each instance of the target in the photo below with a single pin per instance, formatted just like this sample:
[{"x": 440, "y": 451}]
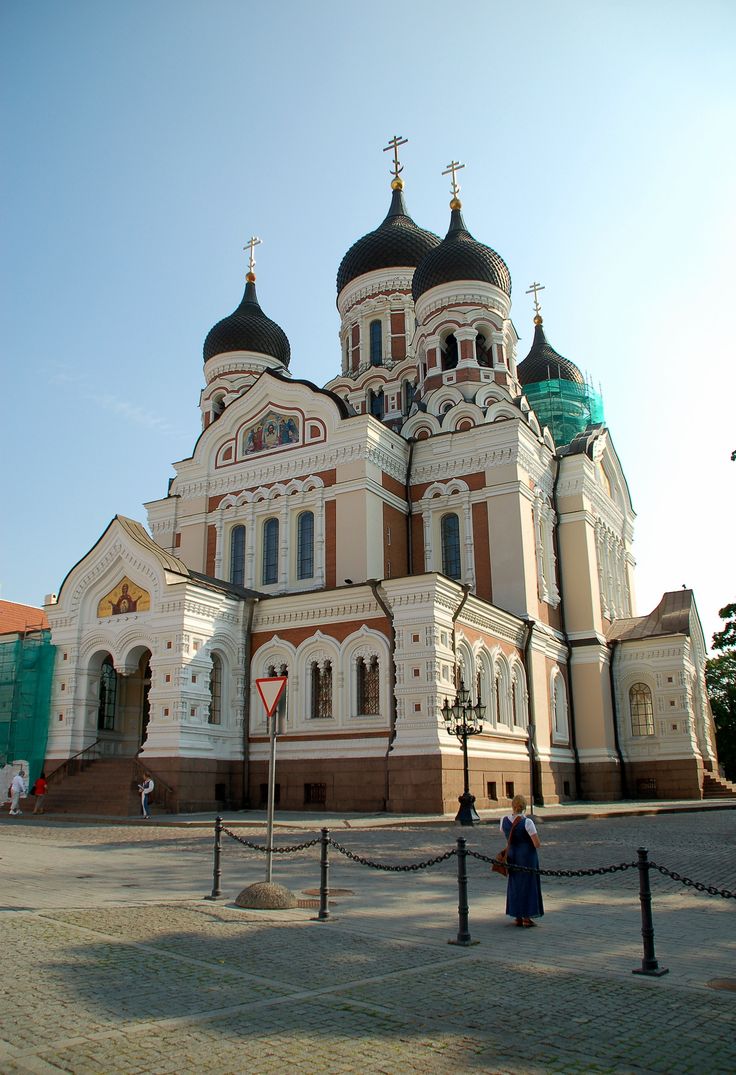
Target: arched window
[
  {"x": 218, "y": 406},
  {"x": 376, "y": 403},
  {"x": 642, "y": 710},
  {"x": 108, "y": 696},
  {"x": 409, "y": 391},
  {"x": 368, "y": 693},
  {"x": 237, "y": 555},
  {"x": 449, "y": 353},
  {"x": 482, "y": 351},
  {"x": 450, "y": 534},
  {"x": 321, "y": 689},
  {"x": 270, "y": 552},
  {"x": 376, "y": 343},
  {"x": 559, "y": 708},
  {"x": 305, "y": 545},
  {"x": 215, "y": 716}
]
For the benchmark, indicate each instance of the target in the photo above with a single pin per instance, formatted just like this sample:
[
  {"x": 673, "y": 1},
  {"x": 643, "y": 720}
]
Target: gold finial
[
  {"x": 536, "y": 288},
  {"x": 251, "y": 245},
  {"x": 452, "y": 169},
  {"x": 394, "y": 143}
]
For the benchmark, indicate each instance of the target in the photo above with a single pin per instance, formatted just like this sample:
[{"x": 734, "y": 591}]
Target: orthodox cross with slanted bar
[
  {"x": 251, "y": 245},
  {"x": 534, "y": 288},
  {"x": 453, "y": 168},
  {"x": 394, "y": 144}
]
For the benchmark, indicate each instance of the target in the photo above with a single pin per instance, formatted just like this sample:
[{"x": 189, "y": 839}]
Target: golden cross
[
  {"x": 535, "y": 288},
  {"x": 394, "y": 144},
  {"x": 454, "y": 167},
  {"x": 252, "y": 243}
]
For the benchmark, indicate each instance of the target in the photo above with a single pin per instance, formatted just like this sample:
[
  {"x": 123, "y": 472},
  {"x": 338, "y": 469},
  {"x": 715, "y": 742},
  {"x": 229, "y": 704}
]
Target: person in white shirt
[
  {"x": 18, "y": 788},
  {"x": 145, "y": 789}
]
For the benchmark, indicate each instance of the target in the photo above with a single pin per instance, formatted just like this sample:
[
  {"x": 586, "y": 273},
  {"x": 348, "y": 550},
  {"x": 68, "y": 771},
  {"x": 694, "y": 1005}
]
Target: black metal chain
[
  {"x": 411, "y": 867},
  {"x": 698, "y": 885},
  {"x": 276, "y": 850},
  {"x": 593, "y": 872}
]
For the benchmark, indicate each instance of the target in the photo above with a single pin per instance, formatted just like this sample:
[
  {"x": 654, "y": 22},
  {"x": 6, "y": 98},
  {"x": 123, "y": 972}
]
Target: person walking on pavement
[
  {"x": 145, "y": 789},
  {"x": 39, "y": 790},
  {"x": 523, "y": 890},
  {"x": 18, "y": 788}
]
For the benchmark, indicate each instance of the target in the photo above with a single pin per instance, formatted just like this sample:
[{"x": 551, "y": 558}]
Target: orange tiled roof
[{"x": 15, "y": 617}]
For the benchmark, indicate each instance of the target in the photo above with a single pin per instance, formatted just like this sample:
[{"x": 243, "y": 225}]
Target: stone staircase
[
  {"x": 104, "y": 786},
  {"x": 717, "y": 787}
]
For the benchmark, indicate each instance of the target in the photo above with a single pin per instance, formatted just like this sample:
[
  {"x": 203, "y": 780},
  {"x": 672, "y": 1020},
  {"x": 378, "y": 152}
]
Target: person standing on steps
[
  {"x": 145, "y": 789},
  {"x": 18, "y": 789},
  {"x": 39, "y": 790},
  {"x": 523, "y": 890}
]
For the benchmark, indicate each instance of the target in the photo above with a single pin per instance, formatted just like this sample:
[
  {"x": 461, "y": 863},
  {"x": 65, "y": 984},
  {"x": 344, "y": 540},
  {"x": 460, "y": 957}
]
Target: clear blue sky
[{"x": 144, "y": 142}]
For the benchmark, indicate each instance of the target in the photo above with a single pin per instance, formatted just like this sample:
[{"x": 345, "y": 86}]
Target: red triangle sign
[{"x": 270, "y": 691}]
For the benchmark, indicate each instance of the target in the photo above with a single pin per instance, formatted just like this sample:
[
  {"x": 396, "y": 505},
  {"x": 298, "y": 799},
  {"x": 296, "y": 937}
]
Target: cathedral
[{"x": 441, "y": 519}]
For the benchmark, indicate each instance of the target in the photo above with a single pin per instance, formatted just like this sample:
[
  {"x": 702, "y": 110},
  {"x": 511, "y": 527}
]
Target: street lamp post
[{"x": 462, "y": 720}]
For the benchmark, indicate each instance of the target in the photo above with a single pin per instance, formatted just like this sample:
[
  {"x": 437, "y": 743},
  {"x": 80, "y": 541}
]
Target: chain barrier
[
  {"x": 276, "y": 850},
  {"x": 411, "y": 867},
  {"x": 689, "y": 883},
  {"x": 594, "y": 871}
]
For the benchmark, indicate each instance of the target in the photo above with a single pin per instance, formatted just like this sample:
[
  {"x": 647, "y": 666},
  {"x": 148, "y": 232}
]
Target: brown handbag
[{"x": 499, "y": 864}]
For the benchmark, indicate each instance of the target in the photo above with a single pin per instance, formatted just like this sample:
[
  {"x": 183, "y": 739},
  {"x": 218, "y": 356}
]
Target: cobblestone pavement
[{"x": 113, "y": 962}]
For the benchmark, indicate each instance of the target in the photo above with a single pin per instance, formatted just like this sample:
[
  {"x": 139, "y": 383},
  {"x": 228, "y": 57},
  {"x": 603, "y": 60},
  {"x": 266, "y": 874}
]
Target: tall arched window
[
  {"x": 642, "y": 710},
  {"x": 368, "y": 687},
  {"x": 409, "y": 391},
  {"x": 108, "y": 696},
  {"x": 376, "y": 403},
  {"x": 559, "y": 708},
  {"x": 270, "y": 552},
  {"x": 237, "y": 555},
  {"x": 376, "y": 343},
  {"x": 305, "y": 545},
  {"x": 215, "y": 716},
  {"x": 449, "y": 353},
  {"x": 450, "y": 534},
  {"x": 321, "y": 689}
]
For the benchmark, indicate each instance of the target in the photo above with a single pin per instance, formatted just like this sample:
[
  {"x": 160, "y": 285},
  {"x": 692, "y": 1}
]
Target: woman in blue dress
[{"x": 523, "y": 890}]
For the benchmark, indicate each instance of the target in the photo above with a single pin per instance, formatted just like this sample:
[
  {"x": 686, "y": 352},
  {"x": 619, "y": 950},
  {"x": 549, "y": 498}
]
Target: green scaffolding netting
[
  {"x": 26, "y": 669},
  {"x": 566, "y": 407}
]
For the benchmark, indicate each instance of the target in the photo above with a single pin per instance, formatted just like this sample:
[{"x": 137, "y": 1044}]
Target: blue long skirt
[{"x": 523, "y": 890}]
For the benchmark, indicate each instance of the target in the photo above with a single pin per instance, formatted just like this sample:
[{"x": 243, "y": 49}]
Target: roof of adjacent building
[
  {"x": 543, "y": 363},
  {"x": 396, "y": 243},
  {"x": 248, "y": 329},
  {"x": 670, "y": 617},
  {"x": 15, "y": 618},
  {"x": 460, "y": 257}
]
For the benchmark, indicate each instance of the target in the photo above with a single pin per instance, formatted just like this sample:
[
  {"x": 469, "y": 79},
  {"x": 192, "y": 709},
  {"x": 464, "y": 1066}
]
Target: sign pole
[{"x": 271, "y": 799}]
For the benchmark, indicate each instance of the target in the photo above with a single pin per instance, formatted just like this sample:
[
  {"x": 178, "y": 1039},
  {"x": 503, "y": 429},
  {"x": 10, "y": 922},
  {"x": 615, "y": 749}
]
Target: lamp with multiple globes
[{"x": 463, "y": 719}]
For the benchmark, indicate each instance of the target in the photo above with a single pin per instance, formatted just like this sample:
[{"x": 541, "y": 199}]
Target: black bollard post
[
  {"x": 324, "y": 868},
  {"x": 649, "y": 964},
  {"x": 216, "y": 871},
  {"x": 463, "y": 931}
]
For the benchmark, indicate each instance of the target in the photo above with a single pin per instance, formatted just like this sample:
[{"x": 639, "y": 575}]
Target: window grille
[
  {"x": 237, "y": 555},
  {"x": 108, "y": 696},
  {"x": 450, "y": 533},
  {"x": 215, "y": 715},
  {"x": 368, "y": 687},
  {"x": 305, "y": 546},
  {"x": 315, "y": 794},
  {"x": 270, "y": 552},
  {"x": 642, "y": 710},
  {"x": 321, "y": 690}
]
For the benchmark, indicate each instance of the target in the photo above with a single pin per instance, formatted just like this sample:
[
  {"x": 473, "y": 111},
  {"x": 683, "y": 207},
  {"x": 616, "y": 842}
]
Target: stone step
[
  {"x": 105, "y": 786},
  {"x": 717, "y": 787}
]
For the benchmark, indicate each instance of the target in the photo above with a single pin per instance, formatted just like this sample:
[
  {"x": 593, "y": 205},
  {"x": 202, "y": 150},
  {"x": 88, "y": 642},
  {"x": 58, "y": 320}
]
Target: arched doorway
[{"x": 122, "y": 708}]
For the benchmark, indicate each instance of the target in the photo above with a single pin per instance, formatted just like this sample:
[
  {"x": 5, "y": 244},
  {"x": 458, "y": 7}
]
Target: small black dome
[
  {"x": 397, "y": 243},
  {"x": 544, "y": 364},
  {"x": 248, "y": 329},
  {"x": 460, "y": 257}
]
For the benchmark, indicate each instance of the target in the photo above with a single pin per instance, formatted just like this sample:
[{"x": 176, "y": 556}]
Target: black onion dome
[
  {"x": 544, "y": 364},
  {"x": 248, "y": 329},
  {"x": 460, "y": 257},
  {"x": 397, "y": 243}
]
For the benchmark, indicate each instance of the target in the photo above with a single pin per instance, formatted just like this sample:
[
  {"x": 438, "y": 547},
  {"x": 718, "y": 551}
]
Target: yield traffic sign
[{"x": 270, "y": 690}]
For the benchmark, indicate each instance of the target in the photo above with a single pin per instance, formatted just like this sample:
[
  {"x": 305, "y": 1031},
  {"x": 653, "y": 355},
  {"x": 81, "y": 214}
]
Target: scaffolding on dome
[
  {"x": 26, "y": 671},
  {"x": 566, "y": 407}
]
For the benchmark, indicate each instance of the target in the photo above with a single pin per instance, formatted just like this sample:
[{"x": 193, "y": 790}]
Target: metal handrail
[{"x": 76, "y": 762}]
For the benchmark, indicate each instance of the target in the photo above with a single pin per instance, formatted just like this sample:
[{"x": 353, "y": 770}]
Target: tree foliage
[{"x": 720, "y": 678}]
